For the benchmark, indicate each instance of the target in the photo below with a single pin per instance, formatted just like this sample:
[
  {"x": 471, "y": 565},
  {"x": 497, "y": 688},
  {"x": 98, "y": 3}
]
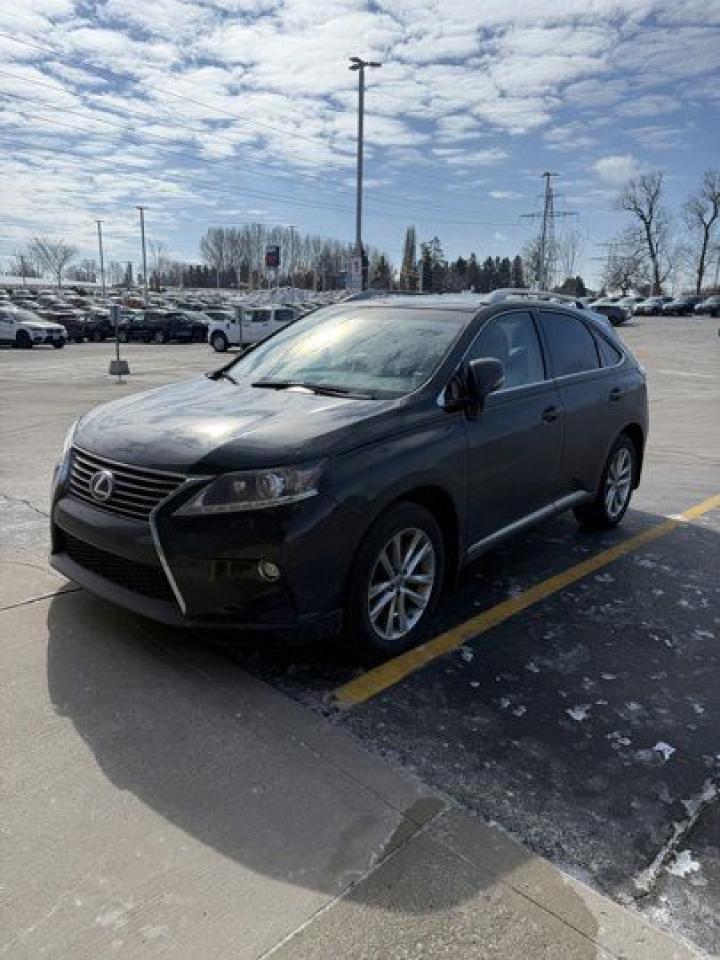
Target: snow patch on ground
[
  {"x": 579, "y": 712},
  {"x": 683, "y": 865},
  {"x": 664, "y": 749}
]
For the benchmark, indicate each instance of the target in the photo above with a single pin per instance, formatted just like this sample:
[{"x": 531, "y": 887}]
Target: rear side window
[
  {"x": 610, "y": 356},
  {"x": 511, "y": 339},
  {"x": 572, "y": 346},
  {"x": 283, "y": 316}
]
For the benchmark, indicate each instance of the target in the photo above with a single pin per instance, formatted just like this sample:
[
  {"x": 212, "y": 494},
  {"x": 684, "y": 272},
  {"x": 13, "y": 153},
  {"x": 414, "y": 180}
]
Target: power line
[
  {"x": 170, "y": 93},
  {"x": 254, "y": 193},
  {"x": 395, "y": 198}
]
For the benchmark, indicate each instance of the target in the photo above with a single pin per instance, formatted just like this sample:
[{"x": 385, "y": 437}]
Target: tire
[
  {"x": 23, "y": 340},
  {"x": 59, "y": 344},
  {"x": 219, "y": 342},
  {"x": 607, "y": 510},
  {"x": 123, "y": 336},
  {"x": 96, "y": 336},
  {"x": 417, "y": 534},
  {"x": 159, "y": 336}
]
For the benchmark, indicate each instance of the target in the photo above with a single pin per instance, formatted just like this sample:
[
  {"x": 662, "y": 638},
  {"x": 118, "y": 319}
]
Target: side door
[
  {"x": 514, "y": 447},
  {"x": 7, "y": 327},
  {"x": 256, "y": 325},
  {"x": 139, "y": 325},
  {"x": 589, "y": 395}
]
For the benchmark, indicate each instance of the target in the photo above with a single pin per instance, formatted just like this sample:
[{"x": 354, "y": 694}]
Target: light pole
[
  {"x": 142, "y": 235},
  {"x": 358, "y": 64},
  {"x": 102, "y": 261},
  {"x": 292, "y": 263}
]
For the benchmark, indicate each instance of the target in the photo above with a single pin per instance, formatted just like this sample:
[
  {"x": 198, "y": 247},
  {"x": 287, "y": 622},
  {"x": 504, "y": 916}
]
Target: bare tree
[
  {"x": 22, "y": 264},
  {"x": 702, "y": 212},
  {"x": 52, "y": 254},
  {"x": 532, "y": 261},
  {"x": 569, "y": 249},
  {"x": 642, "y": 197},
  {"x": 626, "y": 264},
  {"x": 214, "y": 251}
]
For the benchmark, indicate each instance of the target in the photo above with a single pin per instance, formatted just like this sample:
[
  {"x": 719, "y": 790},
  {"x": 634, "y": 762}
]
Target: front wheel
[
  {"x": 616, "y": 487},
  {"x": 123, "y": 336},
  {"x": 396, "y": 581},
  {"x": 159, "y": 336},
  {"x": 219, "y": 342},
  {"x": 59, "y": 344}
]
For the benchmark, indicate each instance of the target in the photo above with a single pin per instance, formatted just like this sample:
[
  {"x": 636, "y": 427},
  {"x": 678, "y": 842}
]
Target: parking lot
[{"x": 570, "y": 693}]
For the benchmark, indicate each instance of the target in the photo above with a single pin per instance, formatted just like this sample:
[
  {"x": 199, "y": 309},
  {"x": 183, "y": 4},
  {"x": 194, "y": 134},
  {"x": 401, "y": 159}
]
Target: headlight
[
  {"x": 63, "y": 463},
  {"x": 255, "y": 490}
]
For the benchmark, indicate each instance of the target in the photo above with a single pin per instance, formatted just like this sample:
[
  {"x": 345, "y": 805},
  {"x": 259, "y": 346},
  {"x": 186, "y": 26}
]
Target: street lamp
[
  {"x": 358, "y": 64},
  {"x": 144, "y": 255},
  {"x": 102, "y": 259}
]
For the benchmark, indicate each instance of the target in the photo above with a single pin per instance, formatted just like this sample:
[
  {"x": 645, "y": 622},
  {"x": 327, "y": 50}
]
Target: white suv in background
[
  {"x": 247, "y": 325},
  {"x": 25, "y": 329}
]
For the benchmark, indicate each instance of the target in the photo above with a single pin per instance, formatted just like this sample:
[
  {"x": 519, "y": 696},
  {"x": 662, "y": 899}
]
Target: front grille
[
  {"x": 135, "y": 490},
  {"x": 138, "y": 577}
]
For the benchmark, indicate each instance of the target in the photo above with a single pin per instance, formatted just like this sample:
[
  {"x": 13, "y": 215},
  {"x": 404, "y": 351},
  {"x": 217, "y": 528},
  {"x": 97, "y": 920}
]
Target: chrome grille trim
[{"x": 137, "y": 490}]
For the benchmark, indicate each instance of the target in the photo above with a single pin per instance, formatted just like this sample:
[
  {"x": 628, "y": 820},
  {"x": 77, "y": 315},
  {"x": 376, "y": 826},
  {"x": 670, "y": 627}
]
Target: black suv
[
  {"x": 159, "y": 326},
  {"x": 344, "y": 469},
  {"x": 681, "y": 307}
]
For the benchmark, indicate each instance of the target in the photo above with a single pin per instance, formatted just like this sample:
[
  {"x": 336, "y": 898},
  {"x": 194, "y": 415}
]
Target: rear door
[
  {"x": 515, "y": 444},
  {"x": 591, "y": 396}
]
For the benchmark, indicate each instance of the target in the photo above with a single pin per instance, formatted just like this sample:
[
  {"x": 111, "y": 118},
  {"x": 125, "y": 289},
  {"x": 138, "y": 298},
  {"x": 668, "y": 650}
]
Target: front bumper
[{"x": 203, "y": 572}]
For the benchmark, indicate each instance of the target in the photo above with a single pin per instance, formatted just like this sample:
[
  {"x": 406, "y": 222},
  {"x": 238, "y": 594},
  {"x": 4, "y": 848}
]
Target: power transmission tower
[{"x": 547, "y": 247}]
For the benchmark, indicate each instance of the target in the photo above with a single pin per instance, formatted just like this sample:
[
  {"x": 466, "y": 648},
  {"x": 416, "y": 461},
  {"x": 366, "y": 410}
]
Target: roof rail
[{"x": 519, "y": 293}]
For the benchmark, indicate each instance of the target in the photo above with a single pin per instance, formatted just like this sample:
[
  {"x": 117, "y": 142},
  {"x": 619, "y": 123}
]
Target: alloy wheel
[
  {"x": 401, "y": 583},
  {"x": 618, "y": 483}
]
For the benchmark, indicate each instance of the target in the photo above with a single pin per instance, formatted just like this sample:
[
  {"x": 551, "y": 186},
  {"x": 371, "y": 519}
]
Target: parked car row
[
  {"x": 654, "y": 306},
  {"x": 37, "y": 317}
]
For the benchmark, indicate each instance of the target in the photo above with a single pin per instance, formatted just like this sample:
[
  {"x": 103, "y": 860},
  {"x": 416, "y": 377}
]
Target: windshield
[
  {"x": 382, "y": 351},
  {"x": 21, "y": 315}
]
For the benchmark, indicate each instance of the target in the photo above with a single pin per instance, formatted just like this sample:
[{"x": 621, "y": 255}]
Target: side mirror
[{"x": 483, "y": 377}]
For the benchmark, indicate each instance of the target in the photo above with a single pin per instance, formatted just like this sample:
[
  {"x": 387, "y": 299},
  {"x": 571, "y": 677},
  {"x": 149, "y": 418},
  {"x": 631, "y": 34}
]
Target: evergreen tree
[
  {"x": 504, "y": 272},
  {"x": 517, "y": 276},
  {"x": 473, "y": 273},
  {"x": 408, "y": 270}
]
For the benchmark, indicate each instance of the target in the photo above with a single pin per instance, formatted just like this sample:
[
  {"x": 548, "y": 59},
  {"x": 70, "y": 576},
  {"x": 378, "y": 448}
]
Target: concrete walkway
[{"x": 158, "y": 801}]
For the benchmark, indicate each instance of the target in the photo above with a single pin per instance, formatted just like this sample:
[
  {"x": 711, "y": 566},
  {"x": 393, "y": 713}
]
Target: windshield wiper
[
  {"x": 323, "y": 389},
  {"x": 221, "y": 374}
]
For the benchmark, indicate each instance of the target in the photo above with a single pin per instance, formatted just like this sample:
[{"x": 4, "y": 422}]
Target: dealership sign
[{"x": 272, "y": 256}]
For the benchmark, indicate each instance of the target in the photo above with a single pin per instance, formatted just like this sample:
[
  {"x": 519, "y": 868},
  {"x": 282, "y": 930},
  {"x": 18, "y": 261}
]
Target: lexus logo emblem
[{"x": 101, "y": 485}]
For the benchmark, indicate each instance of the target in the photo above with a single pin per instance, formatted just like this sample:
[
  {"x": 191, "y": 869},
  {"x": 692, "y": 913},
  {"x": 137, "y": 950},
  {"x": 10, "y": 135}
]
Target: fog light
[{"x": 269, "y": 570}]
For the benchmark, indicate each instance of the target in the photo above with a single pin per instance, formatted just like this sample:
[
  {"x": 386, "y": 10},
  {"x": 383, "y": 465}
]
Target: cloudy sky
[{"x": 215, "y": 112}]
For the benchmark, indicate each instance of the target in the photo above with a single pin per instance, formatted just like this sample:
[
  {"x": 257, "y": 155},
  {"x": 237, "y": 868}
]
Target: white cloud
[
  {"x": 617, "y": 168},
  {"x": 504, "y": 195}
]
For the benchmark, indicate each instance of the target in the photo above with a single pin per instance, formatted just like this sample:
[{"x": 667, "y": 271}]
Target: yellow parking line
[{"x": 386, "y": 675}]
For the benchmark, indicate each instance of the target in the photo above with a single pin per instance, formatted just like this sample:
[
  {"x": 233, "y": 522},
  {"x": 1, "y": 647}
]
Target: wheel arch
[
  {"x": 637, "y": 436},
  {"x": 437, "y": 501}
]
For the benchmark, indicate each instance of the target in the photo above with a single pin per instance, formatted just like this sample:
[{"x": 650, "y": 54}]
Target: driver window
[{"x": 513, "y": 340}]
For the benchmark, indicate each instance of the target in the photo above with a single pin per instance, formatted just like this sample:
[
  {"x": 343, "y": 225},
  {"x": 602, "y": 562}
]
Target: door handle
[
  {"x": 549, "y": 414},
  {"x": 615, "y": 394}
]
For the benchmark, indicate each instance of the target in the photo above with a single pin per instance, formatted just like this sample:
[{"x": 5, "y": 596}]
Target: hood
[
  {"x": 210, "y": 426},
  {"x": 45, "y": 324}
]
